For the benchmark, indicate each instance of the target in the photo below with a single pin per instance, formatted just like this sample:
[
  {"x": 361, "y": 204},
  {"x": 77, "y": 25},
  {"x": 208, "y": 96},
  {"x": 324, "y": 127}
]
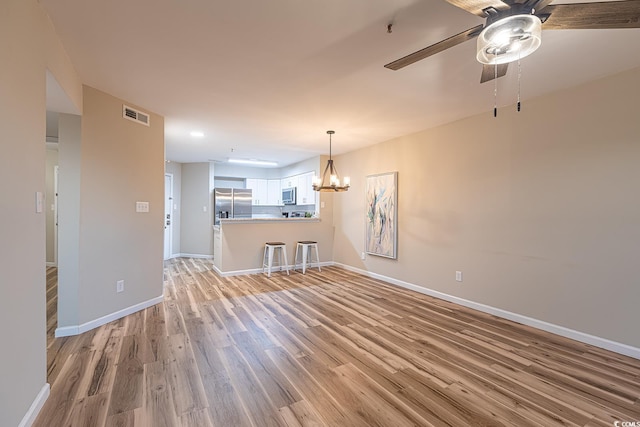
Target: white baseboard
[
  {"x": 259, "y": 270},
  {"x": 604, "y": 343},
  {"x": 35, "y": 407},
  {"x": 66, "y": 331},
  {"x": 182, "y": 255}
]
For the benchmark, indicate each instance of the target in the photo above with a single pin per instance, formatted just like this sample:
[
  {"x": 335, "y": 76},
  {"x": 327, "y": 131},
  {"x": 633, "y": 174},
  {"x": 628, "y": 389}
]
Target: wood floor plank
[
  {"x": 330, "y": 348},
  {"x": 259, "y": 406},
  {"x": 158, "y": 408},
  {"x": 129, "y": 375},
  {"x": 225, "y": 408},
  {"x": 301, "y": 414},
  {"x": 90, "y": 411},
  {"x": 184, "y": 377}
]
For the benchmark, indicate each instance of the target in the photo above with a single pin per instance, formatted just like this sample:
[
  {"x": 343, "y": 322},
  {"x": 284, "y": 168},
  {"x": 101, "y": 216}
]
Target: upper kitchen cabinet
[
  {"x": 260, "y": 193},
  {"x": 304, "y": 190},
  {"x": 289, "y": 182},
  {"x": 274, "y": 192},
  {"x": 266, "y": 192},
  {"x": 306, "y": 195}
]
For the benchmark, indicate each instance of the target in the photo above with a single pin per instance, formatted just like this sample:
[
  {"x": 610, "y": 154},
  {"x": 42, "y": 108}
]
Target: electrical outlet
[
  {"x": 363, "y": 255},
  {"x": 120, "y": 286},
  {"x": 458, "y": 276}
]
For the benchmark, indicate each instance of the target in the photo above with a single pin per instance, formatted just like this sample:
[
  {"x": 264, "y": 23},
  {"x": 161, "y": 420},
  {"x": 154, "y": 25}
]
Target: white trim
[
  {"x": 183, "y": 255},
  {"x": 35, "y": 407},
  {"x": 56, "y": 184},
  {"x": 604, "y": 343},
  {"x": 170, "y": 226},
  {"x": 260, "y": 270},
  {"x": 66, "y": 331},
  {"x": 237, "y": 272}
]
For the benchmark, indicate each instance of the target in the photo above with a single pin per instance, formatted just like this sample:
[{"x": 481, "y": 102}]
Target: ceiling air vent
[{"x": 135, "y": 115}]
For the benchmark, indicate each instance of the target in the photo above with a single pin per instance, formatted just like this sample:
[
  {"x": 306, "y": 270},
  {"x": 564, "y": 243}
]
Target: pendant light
[{"x": 330, "y": 179}]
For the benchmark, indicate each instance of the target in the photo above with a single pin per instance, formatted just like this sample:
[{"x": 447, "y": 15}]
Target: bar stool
[
  {"x": 267, "y": 258},
  {"x": 304, "y": 247}
]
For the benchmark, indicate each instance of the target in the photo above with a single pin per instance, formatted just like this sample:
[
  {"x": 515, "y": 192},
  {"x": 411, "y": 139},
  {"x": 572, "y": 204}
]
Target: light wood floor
[{"x": 325, "y": 349}]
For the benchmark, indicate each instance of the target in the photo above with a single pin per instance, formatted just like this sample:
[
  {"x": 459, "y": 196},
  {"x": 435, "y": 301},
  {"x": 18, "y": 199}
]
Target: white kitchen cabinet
[
  {"x": 289, "y": 182},
  {"x": 303, "y": 184},
  {"x": 274, "y": 192},
  {"x": 259, "y": 194},
  {"x": 306, "y": 195}
]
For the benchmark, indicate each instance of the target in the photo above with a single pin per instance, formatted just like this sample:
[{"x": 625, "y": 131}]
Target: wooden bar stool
[
  {"x": 267, "y": 258},
  {"x": 304, "y": 247}
]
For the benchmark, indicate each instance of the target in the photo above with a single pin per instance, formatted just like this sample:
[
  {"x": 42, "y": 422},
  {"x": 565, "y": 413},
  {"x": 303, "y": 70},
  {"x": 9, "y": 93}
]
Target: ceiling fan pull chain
[
  {"x": 519, "y": 73},
  {"x": 495, "y": 90}
]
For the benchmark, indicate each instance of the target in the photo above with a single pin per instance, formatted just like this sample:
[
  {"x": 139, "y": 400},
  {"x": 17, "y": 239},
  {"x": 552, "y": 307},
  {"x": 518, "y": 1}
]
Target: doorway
[{"x": 168, "y": 215}]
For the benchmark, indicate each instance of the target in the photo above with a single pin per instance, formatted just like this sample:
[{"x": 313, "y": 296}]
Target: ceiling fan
[{"x": 513, "y": 28}]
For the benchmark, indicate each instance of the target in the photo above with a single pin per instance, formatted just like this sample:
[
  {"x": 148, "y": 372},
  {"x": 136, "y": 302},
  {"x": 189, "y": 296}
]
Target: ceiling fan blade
[
  {"x": 587, "y": 16},
  {"x": 489, "y": 72},
  {"x": 477, "y": 7},
  {"x": 435, "y": 48}
]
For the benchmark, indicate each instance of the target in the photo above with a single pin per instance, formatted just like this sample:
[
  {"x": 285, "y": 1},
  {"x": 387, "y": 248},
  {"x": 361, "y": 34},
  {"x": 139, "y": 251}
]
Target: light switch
[{"x": 142, "y": 206}]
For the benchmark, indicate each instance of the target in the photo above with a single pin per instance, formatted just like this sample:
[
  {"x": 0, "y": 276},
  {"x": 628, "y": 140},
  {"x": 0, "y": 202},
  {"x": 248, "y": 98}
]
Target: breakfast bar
[{"x": 239, "y": 242}]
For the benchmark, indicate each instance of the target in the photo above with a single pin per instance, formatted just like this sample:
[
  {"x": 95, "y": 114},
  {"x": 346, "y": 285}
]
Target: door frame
[
  {"x": 168, "y": 251},
  {"x": 55, "y": 215}
]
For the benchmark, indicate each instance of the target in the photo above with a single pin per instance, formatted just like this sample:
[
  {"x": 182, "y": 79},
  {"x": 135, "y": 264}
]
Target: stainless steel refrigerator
[{"x": 232, "y": 203}]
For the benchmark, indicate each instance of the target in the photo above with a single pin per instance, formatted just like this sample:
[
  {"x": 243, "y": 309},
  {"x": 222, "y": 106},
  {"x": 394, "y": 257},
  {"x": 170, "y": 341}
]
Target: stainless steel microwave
[{"x": 289, "y": 196}]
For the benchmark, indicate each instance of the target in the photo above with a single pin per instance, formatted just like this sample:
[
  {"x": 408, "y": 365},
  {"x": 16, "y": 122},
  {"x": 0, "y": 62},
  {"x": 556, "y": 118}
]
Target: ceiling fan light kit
[
  {"x": 513, "y": 27},
  {"x": 330, "y": 180},
  {"x": 509, "y": 39}
]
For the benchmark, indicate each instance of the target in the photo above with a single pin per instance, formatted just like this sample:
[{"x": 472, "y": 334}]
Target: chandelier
[{"x": 330, "y": 179}]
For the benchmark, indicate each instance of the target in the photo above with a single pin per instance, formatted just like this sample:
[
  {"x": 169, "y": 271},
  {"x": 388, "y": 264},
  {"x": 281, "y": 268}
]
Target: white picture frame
[{"x": 381, "y": 237}]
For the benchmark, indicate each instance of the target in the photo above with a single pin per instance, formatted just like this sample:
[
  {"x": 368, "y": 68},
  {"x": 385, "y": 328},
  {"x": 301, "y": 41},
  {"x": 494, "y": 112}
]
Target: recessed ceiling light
[
  {"x": 253, "y": 162},
  {"x": 197, "y": 134}
]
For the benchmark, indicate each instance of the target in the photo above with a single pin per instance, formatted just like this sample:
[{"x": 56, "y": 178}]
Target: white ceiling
[{"x": 268, "y": 78}]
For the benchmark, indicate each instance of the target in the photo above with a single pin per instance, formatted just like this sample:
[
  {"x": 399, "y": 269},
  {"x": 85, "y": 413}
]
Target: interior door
[{"x": 168, "y": 215}]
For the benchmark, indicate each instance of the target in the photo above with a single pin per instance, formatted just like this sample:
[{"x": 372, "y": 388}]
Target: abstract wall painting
[{"x": 382, "y": 215}]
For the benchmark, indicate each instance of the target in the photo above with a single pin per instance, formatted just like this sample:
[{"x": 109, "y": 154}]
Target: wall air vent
[{"x": 135, "y": 115}]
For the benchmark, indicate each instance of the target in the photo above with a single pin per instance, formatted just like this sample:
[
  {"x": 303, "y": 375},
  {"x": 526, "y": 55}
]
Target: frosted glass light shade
[{"x": 508, "y": 39}]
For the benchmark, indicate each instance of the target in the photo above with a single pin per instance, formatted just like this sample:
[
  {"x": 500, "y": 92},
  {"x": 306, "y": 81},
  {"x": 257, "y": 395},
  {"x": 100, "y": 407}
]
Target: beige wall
[
  {"x": 69, "y": 168},
  {"x": 538, "y": 209},
  {"x": 196, "y": 232},
  {"x": 51, "y": 163},
  {"x": 107, "y": 164},
  {"x": 25, "y": 37},
  {"x": 122, "y": 163},
  {"x": 242, "y": 244}
]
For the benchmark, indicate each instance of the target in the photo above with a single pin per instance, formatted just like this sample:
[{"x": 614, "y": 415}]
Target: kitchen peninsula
[{"x": 239, "y": 242}]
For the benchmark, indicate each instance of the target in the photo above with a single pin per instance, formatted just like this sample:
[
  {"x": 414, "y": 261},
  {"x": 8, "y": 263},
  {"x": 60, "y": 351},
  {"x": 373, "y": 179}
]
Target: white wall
[
  {"x": 237, "y": 171},
  {"x": 538, "y": 209},
  {"x": 175, "y": 169},
  {"x": 28, "y": 46}
]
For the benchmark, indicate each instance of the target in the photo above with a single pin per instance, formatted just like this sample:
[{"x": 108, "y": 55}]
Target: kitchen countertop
[{"x": 254, "y": 220}]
